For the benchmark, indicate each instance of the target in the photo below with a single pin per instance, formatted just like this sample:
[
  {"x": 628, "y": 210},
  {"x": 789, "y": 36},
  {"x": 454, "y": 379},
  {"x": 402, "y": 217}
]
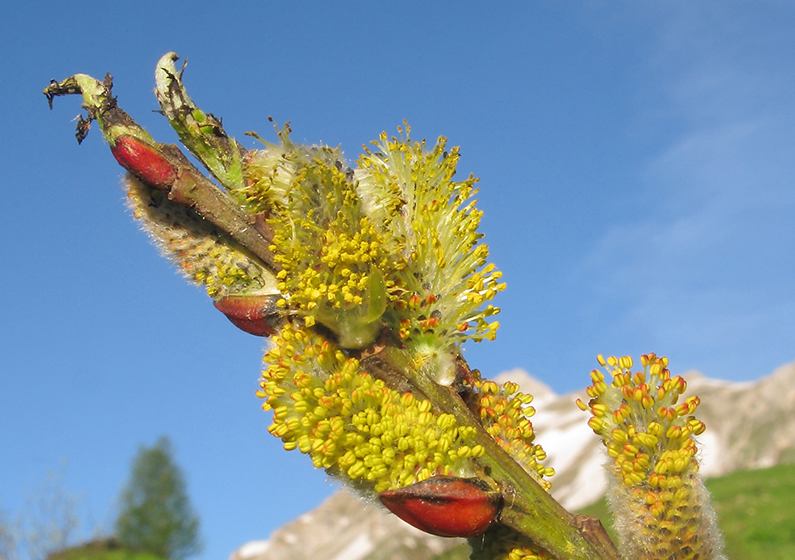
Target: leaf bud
[{"x": 446, "y": 506}]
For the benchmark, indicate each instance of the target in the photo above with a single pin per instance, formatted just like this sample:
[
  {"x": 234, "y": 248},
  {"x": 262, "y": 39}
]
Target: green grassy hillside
[{"x": 756, "y": 511}]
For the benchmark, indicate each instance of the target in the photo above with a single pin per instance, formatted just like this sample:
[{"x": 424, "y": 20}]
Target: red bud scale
[
  {"x": 446, "y": 506},
  {"x": 145, "y": 161},
  {"x": 255, "y": 314}
]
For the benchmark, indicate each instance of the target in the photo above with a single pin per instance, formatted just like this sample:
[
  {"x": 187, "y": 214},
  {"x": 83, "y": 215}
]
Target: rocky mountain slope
[{"x": 749, "y": 425}]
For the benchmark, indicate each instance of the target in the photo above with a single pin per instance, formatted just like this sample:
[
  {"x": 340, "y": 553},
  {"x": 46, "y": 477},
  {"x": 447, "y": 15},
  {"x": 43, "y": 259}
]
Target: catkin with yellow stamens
[
  {"x": 408, "y": 190},
  {"x": 204, "y": 253},
  {"x": 352, "y": 424},
  {"x": 336, "y": 267},
  {"x": 659, "y": 502},
  {"x": 505, "y": 413}
]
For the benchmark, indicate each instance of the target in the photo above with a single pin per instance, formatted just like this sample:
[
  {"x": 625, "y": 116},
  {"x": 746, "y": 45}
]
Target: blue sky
[{"x": 637, "y": 180}]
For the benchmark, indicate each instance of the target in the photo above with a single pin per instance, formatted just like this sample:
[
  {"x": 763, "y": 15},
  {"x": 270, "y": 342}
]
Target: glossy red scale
[
  {"x": 257, "y": 315},
  {"x": 145, "y": 161},
  {"x": 446, "y": 506}
]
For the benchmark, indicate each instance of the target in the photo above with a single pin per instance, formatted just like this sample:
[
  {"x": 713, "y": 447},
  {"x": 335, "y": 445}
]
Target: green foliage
[
  {"x": 156, "y": 515},
  {"x": 755, "y": 512}
]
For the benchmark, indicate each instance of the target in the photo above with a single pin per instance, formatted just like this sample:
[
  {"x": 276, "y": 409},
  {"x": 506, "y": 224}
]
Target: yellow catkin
[
  {"x": 354, "y": 425},
  {"x": 660, "y": 506},
  {"x": 334, "y": 260},
  {"x": 505, "y": 413},
  {"x": 409, "y": 191},
  {"x": 203, "y": 253}
]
